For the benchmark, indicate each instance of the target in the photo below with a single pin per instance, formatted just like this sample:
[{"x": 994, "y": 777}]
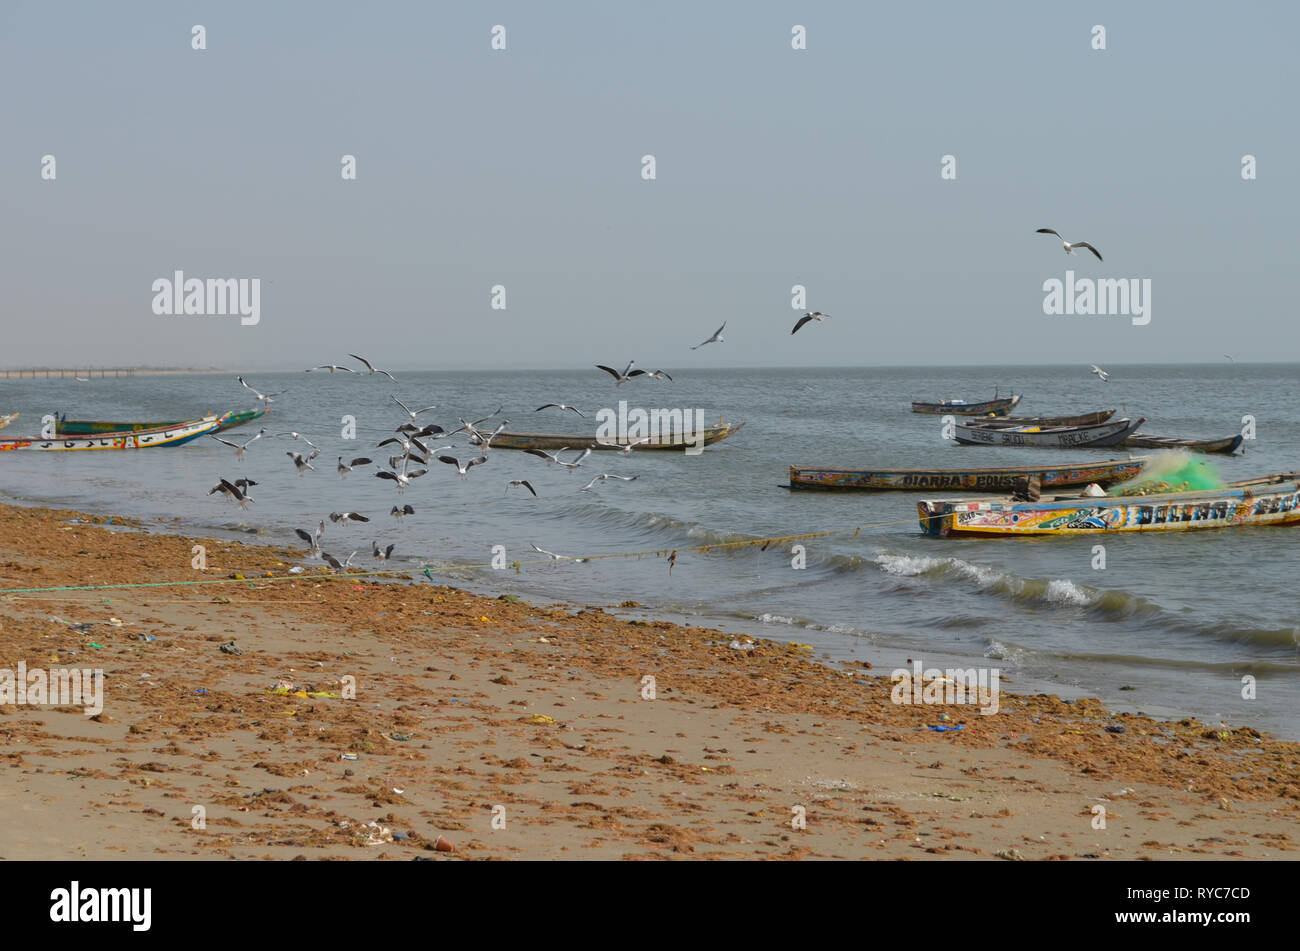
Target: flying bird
[
  {"x": 1070, "y": 246},
  {"x": 553, "y": 556},
  {"x": 403, "y": 479},
  {"x": 346, "y": 517},
  {"x": 603, "y": 477},
  {"x": 561, "y": 406},
  {"x": 331, "y": 367},
  {"x": 345, "y": 469},
  {"x": 628, "y": 447},
  {"x": 570, "y": 466},
  {"x": 816, "y": 315},
  {"x": 373, "y": 369},
  {"x": 335, "y": 563},
  {"x": 466, "y": 467},
  {"x": 381, "y": 554},
  {"x": 233, "y": 491},
  {"x": 403, "y": 511},
  {"x": 551, "y": 457},
  {"x": 292, "y": 435},
  {"x": 410, "y": 412},
  {"x": 312, "y": 538},
  {"x": 716, "y": 338},
  {"x": 300, "y": 463},
  {"x": 620, "y": 378},
  {"x": 1100, "y": 372},
  {"x": 264, "y": 398},
  {"x": 239, "y": 449},
  {"x": 653, "y": 374},
  {"x": 524, "y": 482}
]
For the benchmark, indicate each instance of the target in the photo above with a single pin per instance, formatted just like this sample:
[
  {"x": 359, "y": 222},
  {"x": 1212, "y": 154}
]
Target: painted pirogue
[
  {"x": 138, "y": 439},
  {"x": 988, "y": 479},
  {"x": 85, "y": 427},
  {"x": 1227, "y": 445},
  {"x": 1102, "y": 435},
  {"x": 994, "y": 407},
  {"x": 1267, "y": 500}
]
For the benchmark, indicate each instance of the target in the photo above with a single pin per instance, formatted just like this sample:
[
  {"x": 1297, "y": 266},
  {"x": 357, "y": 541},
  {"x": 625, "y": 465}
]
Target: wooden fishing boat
[
  {"x": 554, "y": 441},
  {"x": 136, "y": 439},
  {"x": 1269, "y": 500},
  {"x": 1100, "y": 435},
  {"x": 1080, "y": 419},
  {"x": 989, "y": 479},
  {"x": 85, "y": 427},
  {"x": 993, "y": 407},
  {"x": 6, "y": 419},
  {"x": 1227, "y": 445}
]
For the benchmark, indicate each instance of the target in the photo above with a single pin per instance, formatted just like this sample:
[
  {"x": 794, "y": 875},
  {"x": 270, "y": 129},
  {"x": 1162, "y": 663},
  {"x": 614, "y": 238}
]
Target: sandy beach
[{"x": 525, "y": 731}]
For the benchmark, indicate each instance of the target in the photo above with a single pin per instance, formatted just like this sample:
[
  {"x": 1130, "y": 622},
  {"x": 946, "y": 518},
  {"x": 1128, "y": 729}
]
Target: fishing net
[{"x": 1172, "y": 471}]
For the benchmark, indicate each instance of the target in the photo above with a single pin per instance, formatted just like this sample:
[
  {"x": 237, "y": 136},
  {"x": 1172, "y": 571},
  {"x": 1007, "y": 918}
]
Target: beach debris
[
  {"x": 736, "y": 645},
  {"x": 443, "y": 844},
  {"x": 230, "y": 648},
  {"x": 944, "y": 728},
  {"x": 1116, "y": 729},
  {"x": 1011, "y": 855},
  {"x": 350, "y": 757}
]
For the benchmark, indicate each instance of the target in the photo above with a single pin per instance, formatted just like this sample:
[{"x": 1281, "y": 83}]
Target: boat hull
[
  {"x": 1226, "y": 446},
  {"x": 1101, "y": 435},
  {"x": 1079, "y": 419},
  {"x": 990, "y": 479},
  {"x": 553, "y": 441},
  {"x": 138, "y": 439},
  {"x": 88, "y": 427},
  {"x": 1273, "y": 500},
  {"x": 998, "y": 407}
]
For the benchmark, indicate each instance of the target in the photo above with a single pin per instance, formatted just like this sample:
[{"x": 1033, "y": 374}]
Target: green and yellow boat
[{"x": 94, "y": 427}]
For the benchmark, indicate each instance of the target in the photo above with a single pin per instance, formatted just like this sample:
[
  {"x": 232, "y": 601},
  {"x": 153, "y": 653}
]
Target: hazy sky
[{"x": 523, "y": 168}]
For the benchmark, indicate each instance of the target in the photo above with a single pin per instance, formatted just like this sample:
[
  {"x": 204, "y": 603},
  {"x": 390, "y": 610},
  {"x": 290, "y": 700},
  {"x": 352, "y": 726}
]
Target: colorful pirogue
[
  {"x": 1078, "y": 419},
  {"x": 994, "y": 407},
  {"x": 139, "y": 439},
  {"x": 85, "y": 427},
  {"x": 1268, "y": 500},
  {"x": 988, "y": 479},
  {"x": 1110, "y": 433},
  {"x": 1227, "y": 445}
]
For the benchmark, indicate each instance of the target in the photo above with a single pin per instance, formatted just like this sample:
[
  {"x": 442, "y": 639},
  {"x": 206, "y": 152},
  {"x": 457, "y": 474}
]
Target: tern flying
[
  {"x": 466, "y": 467},
  {"x": 300, "y": 463},
  {"x": 345, "y": 469},
  {"x": 603, "y": 477},
  {"x": 410, "y": 412},
  {"x": 716, "y": 338},
  {"x": 572, "y": 409},
  {"x": 239, "y": 449},
  {"x": 1070, "y": 246},
  {"x": 524, "y": 482},
  {"x": 373, "y": 369},
  {"x": 816, "y": 315},
  {"x": 1100, "y": 372},
  {"x": 346, "y": 517}
]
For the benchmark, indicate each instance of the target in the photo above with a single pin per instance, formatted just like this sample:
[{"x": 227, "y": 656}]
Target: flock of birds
[{"x": 412, "y": 456}]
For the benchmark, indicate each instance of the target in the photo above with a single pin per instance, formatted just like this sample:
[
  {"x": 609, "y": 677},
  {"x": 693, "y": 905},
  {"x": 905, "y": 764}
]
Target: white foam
[{"x": 1063, "y": 591}]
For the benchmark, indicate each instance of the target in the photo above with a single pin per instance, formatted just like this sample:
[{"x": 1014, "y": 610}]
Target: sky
[{"x": 523, "y": 168}]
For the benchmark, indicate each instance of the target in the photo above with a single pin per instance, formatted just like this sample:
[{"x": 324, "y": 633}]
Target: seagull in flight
[
  {"x": 603, "y": 477},
  {"x": 620, "y": 378},
  {"x": 239, "y": 450},
  {"x": 403, "y": 479},
  {"x": 1230, "y": 357},
  {"x": 406, "y": 444},
  {"x": 551, "y": 457},
  {"x": 524, "y": 482},
  {"x": 331, "y": 367},
  {"x": 300, "y": 463},
  {"x": 561, "y": 406},
  {"x": 231, "y": 490},
  {"x": 816, "y": 315},
  {"x": 1070, "y": 246},
  {"x": 346, "y": 517},
  {"x": 1100, "y": 373},
  {"x": 403, "y": 511},
  {"x": 554, "y": 557},
  {"x": 345, "y": 469},
  {"x": 298, "y": 436},
  {"x": 410, "y": 412},
  {"x": 312, "y": 538},
  {"x": 335, "y": 563},
  {"x": 653, "y": 374},
  {"x": 265, "y": 398},
  {"x": 373, "y": 369},
  {"x": 484, "y": 440},
  {"x": 466, "y": 467},
  {"x": 570, "y": 466},
  {"x": 628, "y": 447},
  {"x": 716, "y": 338},
  {"x": 381, "y": 554}
]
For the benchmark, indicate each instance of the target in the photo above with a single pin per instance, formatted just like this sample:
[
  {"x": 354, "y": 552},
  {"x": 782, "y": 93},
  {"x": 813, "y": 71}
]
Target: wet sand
[{"x": 524, "y": 731}]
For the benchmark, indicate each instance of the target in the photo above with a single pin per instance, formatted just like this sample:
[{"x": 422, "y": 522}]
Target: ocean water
[{"x": 1177, "y": 619}]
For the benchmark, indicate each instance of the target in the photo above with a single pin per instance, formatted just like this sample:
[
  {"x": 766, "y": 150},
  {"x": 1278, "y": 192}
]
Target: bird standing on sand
[
  {"x": 1098, "y": 371},
  {"x": 816, "y": 315},
  {"x": 373, "y": 369},
  {"x": 716, "y": 338},
  {"x": 1070, "y": 246}
]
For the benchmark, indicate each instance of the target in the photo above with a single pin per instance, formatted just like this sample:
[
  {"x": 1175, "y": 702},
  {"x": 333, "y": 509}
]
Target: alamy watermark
[
  {"x": 60, "y": 687},
  {"x": 209, "y": 297},
  {"x": 628, "y": 427},
  {"x": 978, "y": 686},
  {"x": 1106, "y": 297}
]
